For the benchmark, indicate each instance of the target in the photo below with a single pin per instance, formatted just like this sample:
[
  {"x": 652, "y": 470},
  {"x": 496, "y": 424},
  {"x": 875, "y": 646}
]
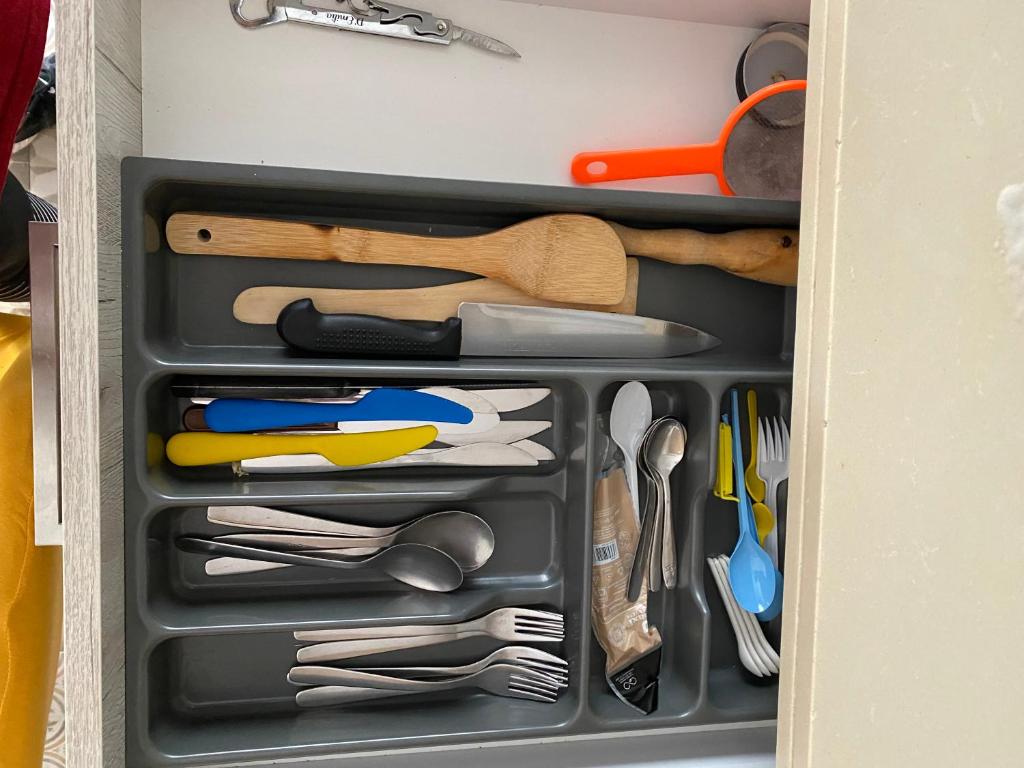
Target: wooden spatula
[
  {"x": 564, "y": 258},
  {"x": 263, "y": 304}
]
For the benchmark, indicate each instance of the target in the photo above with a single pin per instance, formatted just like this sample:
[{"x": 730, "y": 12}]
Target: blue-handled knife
[{"x": 242, "y": 415}]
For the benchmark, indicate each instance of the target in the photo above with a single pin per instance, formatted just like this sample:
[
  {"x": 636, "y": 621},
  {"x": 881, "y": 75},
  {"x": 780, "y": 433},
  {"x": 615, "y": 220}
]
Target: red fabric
[{"x": 22, "y": 37}]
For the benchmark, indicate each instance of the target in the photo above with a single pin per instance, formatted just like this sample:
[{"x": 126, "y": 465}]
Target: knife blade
[
  {"x": 491, "y": 330},
  {"x": 484, "y": 42},
  {"x": 504, "y": 330}
]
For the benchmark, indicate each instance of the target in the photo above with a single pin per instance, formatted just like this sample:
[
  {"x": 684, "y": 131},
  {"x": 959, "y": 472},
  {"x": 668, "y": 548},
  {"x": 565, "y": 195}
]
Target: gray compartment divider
[{"x": 205, "y": 660}]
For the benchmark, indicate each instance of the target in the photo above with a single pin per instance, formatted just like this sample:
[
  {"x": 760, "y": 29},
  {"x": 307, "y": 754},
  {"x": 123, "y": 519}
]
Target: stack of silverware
[
  {"x": 514, "y": 671},
  {"x": 661, "y": 450},
  {"x": 430, "y": 552},
  {"x": 363, "y": 428},
  {"x": 651, "y": 448}
]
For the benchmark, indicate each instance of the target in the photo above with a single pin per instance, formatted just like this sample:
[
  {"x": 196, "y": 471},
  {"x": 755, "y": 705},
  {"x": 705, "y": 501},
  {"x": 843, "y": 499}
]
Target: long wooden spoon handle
[
  {"x": 767, "y": 255},
  {"x": 208, "y": 233},
  {"x": 236, "y": 236}
]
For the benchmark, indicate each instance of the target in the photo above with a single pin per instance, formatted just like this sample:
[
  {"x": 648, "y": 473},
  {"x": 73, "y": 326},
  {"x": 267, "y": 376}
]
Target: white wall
[
  {"x": 296, "y": 95},
  {"x": 740, "y": 13}
]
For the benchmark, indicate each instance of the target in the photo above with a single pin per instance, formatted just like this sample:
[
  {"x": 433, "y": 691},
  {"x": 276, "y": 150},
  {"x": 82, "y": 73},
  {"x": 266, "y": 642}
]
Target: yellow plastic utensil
[
  {"x": 724, "y": 487},
  {"x": 724, "y": 479},
  {"x": 764, "y": 520},
  {"x": 194, "y": 449},
  {"x": 755, "y": 485}
]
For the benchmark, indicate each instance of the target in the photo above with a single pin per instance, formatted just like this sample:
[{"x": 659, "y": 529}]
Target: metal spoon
[
  {"x": 665, "y": 451},
  {"x": 631, "y": 415},
  {"x": 463, "y": 536},
  {"x": 417, "y": 565},
  {"x": 653, "y": 507},
  {"x": 269, "y": 519},
  {"x": 648, "y": 531}
]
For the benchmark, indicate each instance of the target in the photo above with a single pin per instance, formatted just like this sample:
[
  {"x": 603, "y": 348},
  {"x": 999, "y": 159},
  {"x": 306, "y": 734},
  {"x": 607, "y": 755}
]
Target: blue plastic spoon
[
  {"x": 751, "y": 572},
  {"x": 773, "y": 610},
  {"x": 239, "y": 415}
]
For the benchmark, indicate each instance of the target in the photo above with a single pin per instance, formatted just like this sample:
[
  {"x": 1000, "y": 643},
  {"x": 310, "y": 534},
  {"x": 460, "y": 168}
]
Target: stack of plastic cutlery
[
  {"x": 400, "y": 427},
  {"x": 756, "y": 653},
  {"x": 767, "y": 468}
]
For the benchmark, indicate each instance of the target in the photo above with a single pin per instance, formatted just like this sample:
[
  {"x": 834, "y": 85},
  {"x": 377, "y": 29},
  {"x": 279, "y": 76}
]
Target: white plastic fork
[{"x": 773, "y": 467}]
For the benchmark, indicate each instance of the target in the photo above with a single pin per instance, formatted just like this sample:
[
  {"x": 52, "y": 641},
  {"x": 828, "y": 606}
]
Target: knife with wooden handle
[{"x": 263, "y": 303}]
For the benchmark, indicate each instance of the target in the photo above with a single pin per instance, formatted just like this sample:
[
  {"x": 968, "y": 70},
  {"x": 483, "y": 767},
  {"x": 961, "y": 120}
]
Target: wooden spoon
[
  {"x": 767, "y": 255},
  {"x": 565, "y": 258},
  {"x": 263, "y": 303}
]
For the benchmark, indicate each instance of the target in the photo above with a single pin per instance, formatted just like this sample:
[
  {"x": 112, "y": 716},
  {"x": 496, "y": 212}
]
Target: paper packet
[{"x": 632, "y": 647}]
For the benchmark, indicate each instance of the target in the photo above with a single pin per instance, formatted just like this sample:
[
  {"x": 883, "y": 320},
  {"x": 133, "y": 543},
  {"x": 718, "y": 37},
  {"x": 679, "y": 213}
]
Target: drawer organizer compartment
[{"x": 208, "y": 655}]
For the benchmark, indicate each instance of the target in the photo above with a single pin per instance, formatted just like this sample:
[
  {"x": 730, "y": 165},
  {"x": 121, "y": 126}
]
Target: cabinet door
[
  {"x": 100, "y": 105},
  {"x": 904, "y": 581}
]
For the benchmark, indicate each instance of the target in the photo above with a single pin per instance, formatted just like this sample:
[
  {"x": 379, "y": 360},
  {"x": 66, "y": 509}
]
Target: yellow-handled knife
[{"x": 194, "y": 449}]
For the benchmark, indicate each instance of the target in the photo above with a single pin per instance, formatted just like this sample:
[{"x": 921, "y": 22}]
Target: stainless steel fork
[
  {"x": 535, "y": 659},
  {"x": 522, "y": 625},
  {"x": 502, "y": 621},
  {"x": 337, "y": 686}
]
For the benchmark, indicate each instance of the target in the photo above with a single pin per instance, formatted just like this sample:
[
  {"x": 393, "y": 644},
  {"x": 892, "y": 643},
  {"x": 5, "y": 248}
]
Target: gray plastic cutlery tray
[{"x": 207, "y": 656}]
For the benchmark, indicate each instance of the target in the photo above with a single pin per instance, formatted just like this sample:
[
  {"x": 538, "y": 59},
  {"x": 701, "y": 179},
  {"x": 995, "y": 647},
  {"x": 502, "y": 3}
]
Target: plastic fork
[
  {"x": 773, "y": 467},
  {"x": 520, "y": 625},
  {"x": 499, "y": 679},
  {"x": 540, "y": 661}
]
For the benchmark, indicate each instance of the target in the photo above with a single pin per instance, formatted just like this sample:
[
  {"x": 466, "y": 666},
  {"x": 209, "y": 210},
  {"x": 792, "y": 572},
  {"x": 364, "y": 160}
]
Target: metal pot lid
[{"x": 778, "y": 53}]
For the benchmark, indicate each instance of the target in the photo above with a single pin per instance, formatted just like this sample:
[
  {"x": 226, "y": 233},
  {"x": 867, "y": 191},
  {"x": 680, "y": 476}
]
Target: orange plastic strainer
[{"x": 758, "y": 153}]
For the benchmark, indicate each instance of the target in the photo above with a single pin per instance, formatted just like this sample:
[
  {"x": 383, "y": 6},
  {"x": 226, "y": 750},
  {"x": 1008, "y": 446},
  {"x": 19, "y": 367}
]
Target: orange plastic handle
[
  {"x": 615, "y": 165},
  {"x": 587, "y": 167}
]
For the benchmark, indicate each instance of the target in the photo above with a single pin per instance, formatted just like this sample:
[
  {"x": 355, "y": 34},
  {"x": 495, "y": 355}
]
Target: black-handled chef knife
[{"x": 490, "y": 330}]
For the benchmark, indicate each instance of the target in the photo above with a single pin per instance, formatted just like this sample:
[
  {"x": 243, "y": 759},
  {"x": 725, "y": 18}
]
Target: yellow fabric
[{"x": 30, "y": 576}]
